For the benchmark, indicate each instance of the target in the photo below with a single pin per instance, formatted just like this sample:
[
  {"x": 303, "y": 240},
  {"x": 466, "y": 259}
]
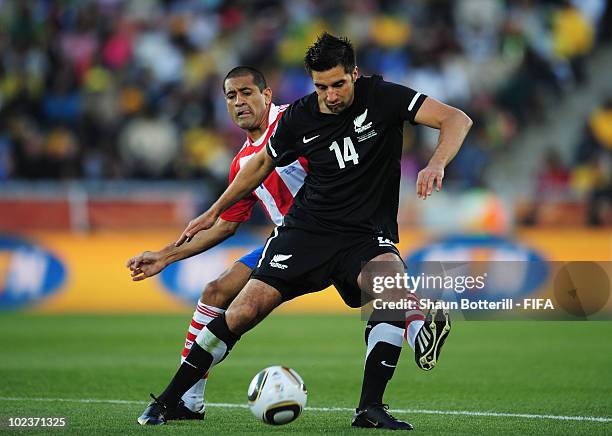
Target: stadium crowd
[{"x": 113, "y": 89}]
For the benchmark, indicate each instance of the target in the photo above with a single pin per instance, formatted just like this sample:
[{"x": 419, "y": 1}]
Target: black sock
[
  {"x": 384, "y": 341},
  {"x": 187, "y": 375},
  {"x": 200, "y": 360}
]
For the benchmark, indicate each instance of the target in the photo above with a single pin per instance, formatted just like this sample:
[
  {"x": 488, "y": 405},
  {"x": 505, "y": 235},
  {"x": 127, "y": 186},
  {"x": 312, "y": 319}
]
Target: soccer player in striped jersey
[{"x": 249, "y": 103}]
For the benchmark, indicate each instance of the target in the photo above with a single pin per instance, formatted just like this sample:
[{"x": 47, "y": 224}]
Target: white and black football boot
[{"x": 430, "y": 338}]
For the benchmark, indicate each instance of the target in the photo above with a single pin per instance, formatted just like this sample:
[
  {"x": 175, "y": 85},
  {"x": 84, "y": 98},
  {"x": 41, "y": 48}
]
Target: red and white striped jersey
[{"x": 276, "y": 192}]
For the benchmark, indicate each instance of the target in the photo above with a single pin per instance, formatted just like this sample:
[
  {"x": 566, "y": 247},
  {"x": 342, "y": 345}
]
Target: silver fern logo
[
  {"x": 359, "y": 120},
  {"x": 278, "y": 258}
]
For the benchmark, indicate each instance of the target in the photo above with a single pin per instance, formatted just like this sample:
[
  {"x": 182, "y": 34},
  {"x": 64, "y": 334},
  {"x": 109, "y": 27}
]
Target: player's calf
[{"x": 384, "y": 344}]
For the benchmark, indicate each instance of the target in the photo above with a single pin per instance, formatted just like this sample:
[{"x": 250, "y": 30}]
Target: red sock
[
  {"x": 201, "y": 317},
  {"x": 194, "y": 397}
]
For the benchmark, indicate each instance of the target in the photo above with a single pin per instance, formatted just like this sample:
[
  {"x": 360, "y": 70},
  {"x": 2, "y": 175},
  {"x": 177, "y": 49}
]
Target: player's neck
[{"x": 257, "y": 132}]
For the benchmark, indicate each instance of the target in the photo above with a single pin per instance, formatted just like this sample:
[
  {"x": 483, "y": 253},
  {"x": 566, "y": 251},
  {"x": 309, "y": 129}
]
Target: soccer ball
[{"x": 277, "y": 395}]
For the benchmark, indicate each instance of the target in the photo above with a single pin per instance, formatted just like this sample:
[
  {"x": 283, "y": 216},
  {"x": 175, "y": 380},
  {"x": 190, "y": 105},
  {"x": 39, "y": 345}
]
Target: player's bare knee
[
  {"x": 383, "y": 265},
  {"x": 214, "y": 295},
  {"x": 210, "y": 290}
]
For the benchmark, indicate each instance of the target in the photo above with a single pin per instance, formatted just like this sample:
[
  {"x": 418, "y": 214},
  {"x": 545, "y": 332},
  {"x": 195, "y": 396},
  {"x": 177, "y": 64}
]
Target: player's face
[
  {"x": 246, "y": 104},
  {"x": 335, "y": 88}
]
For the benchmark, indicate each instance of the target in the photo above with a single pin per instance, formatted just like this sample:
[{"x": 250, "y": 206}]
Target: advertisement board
[{"x": 57, "y": 272}]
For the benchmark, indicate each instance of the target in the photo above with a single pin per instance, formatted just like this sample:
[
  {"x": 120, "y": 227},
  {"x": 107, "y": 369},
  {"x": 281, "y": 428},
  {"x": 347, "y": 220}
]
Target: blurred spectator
[
  {"x": 479, "y": 26},
  {"x": 551, "y": 192},
  {"x": 149, "y": 144},
  {"x": 592, "y": 175},
  {"x": 573, "y": 37},
  {"x": 553, "y": 179},
  {"x": 62, "y": 154},
  {"x": 206, "y": 153},
  {"x": 154, "y": 51},
  {"x": 600, "y": 206},
  {"x": 62, "y": 103},
  {"x": 597, "y": 138},
  {"x": 28, "y": 148},
  {"x": 117, "y": 49},
  {"x": 592, "y": 10},
  {"x": 587, "y": 176},
  {"x": 593, "y": 180}
]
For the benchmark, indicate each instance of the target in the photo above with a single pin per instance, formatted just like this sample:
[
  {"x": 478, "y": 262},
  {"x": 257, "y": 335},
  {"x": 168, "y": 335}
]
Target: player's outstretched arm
[
  {"x": 454, "y": 126},
  {"x": 250, "y": 176},
  {"x": 150, "y": 263}
]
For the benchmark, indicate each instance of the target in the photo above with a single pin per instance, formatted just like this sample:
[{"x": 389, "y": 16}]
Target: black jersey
[{"x": 353, "y": 157}]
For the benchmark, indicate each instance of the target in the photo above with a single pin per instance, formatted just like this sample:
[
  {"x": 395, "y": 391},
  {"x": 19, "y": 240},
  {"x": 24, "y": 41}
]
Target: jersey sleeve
[
  {"x": 240, "y": 211},
  {"x": 400, "y": 100},
  {"x": 281, "y": 146}
]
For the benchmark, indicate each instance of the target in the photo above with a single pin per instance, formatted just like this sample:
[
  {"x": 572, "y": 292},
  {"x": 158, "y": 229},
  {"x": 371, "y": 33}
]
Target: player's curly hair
[
  {"x": 328, "y": 52},
  {"x": 245, "y": 70}
]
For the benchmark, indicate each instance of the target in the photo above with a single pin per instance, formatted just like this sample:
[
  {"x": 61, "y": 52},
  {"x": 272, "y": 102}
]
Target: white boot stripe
[{"x": 421, "y": 343}]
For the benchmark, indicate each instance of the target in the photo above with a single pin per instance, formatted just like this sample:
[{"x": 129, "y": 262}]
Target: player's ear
[
  {"x": 355, "y": 73},
  {"x": 267, "y": 95}
]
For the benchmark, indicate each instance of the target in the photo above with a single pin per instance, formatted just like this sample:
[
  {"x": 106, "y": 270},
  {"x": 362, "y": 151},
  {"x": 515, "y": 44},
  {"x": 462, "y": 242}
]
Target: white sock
[
  {"x": 203, "y": 314},
  {"x": 194, "y": 397}
]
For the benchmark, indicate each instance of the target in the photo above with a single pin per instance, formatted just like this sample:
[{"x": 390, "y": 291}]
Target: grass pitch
[{"x": 98, "y": 371}]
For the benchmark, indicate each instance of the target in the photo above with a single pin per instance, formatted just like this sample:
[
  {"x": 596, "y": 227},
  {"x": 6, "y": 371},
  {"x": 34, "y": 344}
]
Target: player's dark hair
[
  {"x": 245, "y": 70},
  {"x": 328, "y": 52}
]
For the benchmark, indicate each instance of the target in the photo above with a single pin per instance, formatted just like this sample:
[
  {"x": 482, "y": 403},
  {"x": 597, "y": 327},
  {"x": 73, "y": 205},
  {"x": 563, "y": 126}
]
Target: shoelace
[
  {"x": 385, "y": 407},
  {"x": 159, "y": 403}
]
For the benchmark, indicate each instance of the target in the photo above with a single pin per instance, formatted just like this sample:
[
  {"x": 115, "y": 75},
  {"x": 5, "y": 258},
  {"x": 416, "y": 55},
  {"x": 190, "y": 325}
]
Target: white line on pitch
[{"x": 336, "y": 409}]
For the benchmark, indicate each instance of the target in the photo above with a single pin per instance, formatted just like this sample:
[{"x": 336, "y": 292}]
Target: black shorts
[{"x": 296, "y": 261}]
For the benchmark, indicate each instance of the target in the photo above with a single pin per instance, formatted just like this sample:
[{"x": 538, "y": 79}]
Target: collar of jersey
[{"x": 273, "y": 112}]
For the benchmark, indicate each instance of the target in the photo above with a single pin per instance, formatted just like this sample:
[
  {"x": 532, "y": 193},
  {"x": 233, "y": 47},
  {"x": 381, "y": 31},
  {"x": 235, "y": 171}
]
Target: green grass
[{"x": 549, "y": 368}]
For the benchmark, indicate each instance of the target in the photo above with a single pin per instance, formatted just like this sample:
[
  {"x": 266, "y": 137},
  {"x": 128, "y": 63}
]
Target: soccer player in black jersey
[{"x": 343, "y": 222}]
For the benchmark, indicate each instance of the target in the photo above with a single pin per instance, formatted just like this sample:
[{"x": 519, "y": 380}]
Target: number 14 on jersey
[{"x": 349, "y": 153}]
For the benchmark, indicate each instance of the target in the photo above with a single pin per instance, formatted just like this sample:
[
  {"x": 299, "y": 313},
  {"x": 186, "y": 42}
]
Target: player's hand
[
  {"x": 428, "y": 176},
  {"x": 203, "y": 222},
  {"x": 145, "y": 265}
]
